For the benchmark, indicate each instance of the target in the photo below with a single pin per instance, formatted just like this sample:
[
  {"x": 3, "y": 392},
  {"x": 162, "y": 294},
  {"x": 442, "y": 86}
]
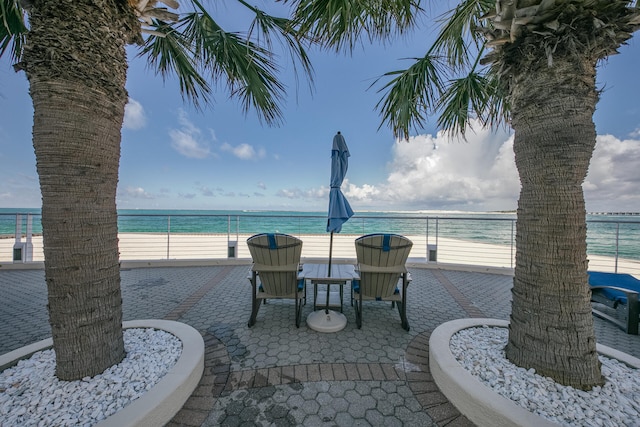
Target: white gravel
[
  {"x": 481, "y": 352},
  {"x": 31, "y": 395}
]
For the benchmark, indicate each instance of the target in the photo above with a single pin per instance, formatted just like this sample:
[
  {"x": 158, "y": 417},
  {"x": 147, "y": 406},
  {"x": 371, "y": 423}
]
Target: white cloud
[
  {"x": 135, "y": 193},
  {"x": 294, "y": 193},
  {"x": 185, "y": 144},
  {"x": 244, "y": 151},
  {"x": 206, "y": 191},
  {"x": 134, "y": 115},
  {"x": 438, "y": 172},
  {"x": 613, "y": 178},
  {"x": 441, "y": 172},
  {"x": 262, "y": 185},
  {"x": 354, "y": 192},
  {"x": 187, "y": 140}
]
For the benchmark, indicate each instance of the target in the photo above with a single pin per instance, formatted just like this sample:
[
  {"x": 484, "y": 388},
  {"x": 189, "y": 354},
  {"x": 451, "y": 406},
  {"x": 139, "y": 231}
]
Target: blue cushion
[{"x": 625, "y": 281}]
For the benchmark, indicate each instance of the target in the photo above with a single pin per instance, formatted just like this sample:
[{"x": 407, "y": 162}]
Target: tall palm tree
[
  {"x": 73, "y": 53},
  {"x": 531, "y": 64}
]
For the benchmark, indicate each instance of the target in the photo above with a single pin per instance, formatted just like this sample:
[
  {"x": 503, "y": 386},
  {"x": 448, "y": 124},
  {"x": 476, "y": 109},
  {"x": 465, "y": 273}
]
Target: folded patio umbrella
[
  {"x": 339, "y": 209},
  {"x": 339, "y": 212}
]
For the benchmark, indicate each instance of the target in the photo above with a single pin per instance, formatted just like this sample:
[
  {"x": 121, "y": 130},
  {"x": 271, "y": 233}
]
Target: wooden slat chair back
[
  {"x": 381, "y": 265},
  {"x": 276, "y": 261}
]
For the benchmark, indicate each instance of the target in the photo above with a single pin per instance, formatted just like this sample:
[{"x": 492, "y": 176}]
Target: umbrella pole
[
  {"x": 330, "y": 251},
  {"x": 326, "y": 309}
]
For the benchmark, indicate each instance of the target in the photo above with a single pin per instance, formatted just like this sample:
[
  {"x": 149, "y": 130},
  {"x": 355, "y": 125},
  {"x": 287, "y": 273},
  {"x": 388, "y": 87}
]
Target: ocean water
[{"x": 610, "y": 235}]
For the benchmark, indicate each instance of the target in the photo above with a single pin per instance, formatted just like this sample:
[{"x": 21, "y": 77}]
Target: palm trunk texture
[
  {"x": 551, "y": 327},
  {"x": 76, "y": 64}
]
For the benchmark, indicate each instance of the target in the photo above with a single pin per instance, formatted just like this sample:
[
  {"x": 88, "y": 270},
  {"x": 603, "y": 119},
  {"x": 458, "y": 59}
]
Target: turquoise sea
[{"x": 604, "y": 230}]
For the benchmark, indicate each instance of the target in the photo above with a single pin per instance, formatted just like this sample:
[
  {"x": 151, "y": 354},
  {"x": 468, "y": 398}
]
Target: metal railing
[{"x": 483, "y": 240}]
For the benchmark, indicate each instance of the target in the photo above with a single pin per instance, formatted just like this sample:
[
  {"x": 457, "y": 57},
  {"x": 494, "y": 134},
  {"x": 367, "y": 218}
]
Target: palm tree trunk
[
  {"x": 551, "y": 326},
  {"x": 76, "y": 65}
]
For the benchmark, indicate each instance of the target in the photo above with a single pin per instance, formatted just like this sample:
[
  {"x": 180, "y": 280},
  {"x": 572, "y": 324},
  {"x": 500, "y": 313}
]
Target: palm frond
[
  {"x": 459, "y": 31},
  {"x": 13, "y": 29},
  {"x": 411, "y": 95},
  {"x": 342, "y": 24},
  {"x": 478, "y": 94},
  {"x": 265, "y": 27},
  {"x": 249, "y": 69},
  {"x": 497, "y": 111},
  {"x": 172, "y": 54},
  {"x": 463, "y": 100},
  {"x": 469, "y": 92}
]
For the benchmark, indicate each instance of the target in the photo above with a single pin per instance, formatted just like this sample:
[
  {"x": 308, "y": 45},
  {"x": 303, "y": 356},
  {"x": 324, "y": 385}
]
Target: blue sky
[{"x": 174, "y": 157}]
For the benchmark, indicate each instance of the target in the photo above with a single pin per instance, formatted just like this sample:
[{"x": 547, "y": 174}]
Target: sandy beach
[{"x": 162, "y": 246}]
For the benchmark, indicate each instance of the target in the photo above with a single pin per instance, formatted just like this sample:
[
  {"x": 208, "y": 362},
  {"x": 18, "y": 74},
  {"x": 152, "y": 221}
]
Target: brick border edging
[
  {"x": 425, "y": 389},
  {"x": 217, "y": 367}
]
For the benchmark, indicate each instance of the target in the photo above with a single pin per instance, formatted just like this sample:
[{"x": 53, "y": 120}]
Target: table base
[{"x": 322, "y": 321}]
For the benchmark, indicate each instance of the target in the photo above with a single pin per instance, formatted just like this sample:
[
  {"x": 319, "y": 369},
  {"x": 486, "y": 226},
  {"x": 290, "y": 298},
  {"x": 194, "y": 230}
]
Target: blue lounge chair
[
  {"x": 383, "y": 274},
  {"x": 275, "y": 271},
  {"x": 617, "y": 290}
]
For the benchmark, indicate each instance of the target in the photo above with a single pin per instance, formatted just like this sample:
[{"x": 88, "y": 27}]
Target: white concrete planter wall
[{"x": 473, "y": 399}]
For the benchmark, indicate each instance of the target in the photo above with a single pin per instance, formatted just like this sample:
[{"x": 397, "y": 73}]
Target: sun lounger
[{"x": 618, "y": 291}]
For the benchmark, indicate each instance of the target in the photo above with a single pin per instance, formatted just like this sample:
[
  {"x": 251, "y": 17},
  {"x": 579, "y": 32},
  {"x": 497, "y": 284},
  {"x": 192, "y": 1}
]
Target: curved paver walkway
[
  {"x": 402, "y": 393},
  {"x": 280, "y": 375}
]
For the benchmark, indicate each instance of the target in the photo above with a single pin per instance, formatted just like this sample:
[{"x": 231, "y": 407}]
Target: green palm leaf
[
  {"x": 199, "y": 52},
  {"x": 172, "y": 54},
  {"x": 13, "y": 30},
  {"x": 411, "y": 95},
  {"x": 342, "y": 24},
  {"x": 420, "y": 91},
  {"x": 247, "y": 68},
  {"x": 458, "y": 30},
  {"x": 265, "y": 26},
  {"x": 463, "y": 99}
]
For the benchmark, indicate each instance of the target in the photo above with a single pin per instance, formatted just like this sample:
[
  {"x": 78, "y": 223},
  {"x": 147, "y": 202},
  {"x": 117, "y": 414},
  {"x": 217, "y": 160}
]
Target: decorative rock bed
[
  {"x": 164, "y": 363},
  {"x": 467, "y": 362}
]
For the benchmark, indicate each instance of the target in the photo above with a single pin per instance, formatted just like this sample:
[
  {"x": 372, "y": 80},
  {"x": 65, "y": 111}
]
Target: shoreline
[{"x": 216, "y": 246}]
